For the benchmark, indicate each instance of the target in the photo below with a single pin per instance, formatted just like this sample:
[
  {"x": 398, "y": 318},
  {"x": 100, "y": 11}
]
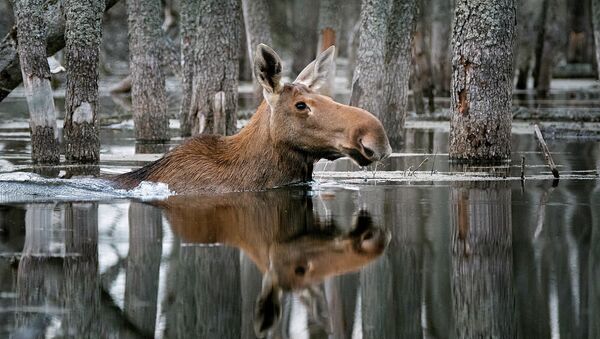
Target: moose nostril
[
  {"x": 368, "y": 235},
  {"x": 368, "y": 152}
]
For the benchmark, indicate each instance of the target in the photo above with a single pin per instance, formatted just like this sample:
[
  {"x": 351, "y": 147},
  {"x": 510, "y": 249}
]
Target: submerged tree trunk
[
  {"x": 31, "y": 34},
  {"x": 305, "y": 18},
  {"x": 10, "y": 72},
  {"x": 187, "y": 29},
  {"x": 83, "y": 33},
  {"x": 596, "y": 23},
  {"x": 481, "y": 97},
  {"x": 328, "y": 27},
  {"x": 258, "y": 30},
  {"x": 148, "y": 92},
  {"x": 213, "y": 106},
  {"x": 441, "y": 26},
  {"x": 380, "y": 83}
]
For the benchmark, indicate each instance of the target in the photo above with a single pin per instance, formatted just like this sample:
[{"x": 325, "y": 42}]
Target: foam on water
[{"x": 18, "y": 187}]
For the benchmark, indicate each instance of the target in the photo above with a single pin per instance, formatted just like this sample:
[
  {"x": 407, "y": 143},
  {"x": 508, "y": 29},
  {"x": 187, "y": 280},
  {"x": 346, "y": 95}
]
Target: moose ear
[
  {"x": 315, "y": 74},
  {"x": 267, "y": 310},
  {"x": 267, "y": 69}
]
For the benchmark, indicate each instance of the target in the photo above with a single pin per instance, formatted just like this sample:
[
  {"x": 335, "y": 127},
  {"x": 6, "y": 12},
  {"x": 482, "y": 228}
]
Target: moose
[
  {"x": 293, "y": 247},
  {"x": 292, "y": 128}
]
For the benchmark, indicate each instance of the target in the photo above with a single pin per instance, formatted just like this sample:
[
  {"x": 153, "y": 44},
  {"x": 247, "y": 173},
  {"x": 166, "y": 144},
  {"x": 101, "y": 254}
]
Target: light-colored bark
[
  {"x": 380, "y": 82},
  {"x": 148, "y": 92},
  {"x": 596, "y": 23},
  {"x": 83, "y": 33},
  {"x": 31, "y": 34},
  {"x": 216, "y": 65},
  {"x": 258, "y": 30},
  {"x": 482, "y": 39}
]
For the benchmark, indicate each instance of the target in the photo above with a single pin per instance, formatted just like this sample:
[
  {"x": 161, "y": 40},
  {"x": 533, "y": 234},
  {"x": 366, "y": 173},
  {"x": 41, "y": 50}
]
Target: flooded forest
[{"x": 299, "y": 169}]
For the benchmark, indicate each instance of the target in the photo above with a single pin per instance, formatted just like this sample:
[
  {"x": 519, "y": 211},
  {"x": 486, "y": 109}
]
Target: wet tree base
[
  {"x": 44, "y": 146},
  {"x": 82, "y": 143}
]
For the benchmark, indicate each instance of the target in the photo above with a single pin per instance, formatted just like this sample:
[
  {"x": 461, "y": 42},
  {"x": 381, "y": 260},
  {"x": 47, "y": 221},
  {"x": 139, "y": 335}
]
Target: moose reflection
[{"x": 294, "y": 247}]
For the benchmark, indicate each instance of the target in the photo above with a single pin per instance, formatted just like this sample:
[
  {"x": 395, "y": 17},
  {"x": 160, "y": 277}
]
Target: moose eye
[
  {"x": 301, "y": 105},
  {"x": 300, "y": 270}
]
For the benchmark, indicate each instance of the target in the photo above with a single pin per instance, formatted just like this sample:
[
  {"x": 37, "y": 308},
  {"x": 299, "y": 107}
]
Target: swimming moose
[{"x": 292, "y": 129}]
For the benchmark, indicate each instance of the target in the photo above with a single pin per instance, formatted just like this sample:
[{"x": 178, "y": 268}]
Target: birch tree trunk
[
  {"x": 31, "y": 34},
  {"x": 482, "y": 39},
  {"x": 596, "y": 23},
  {"x": 83, "y": 33},
  {"x": 148, "y": 92},
  {"x": 328, "y": 27},
  {"x": 215, "y": 85},
  {"x": 258, "y": 30},
  {"x": 187, "y": 28}
]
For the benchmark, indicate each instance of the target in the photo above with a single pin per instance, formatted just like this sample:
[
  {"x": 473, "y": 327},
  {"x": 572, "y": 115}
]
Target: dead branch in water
[{"x": 546, "y": 151}]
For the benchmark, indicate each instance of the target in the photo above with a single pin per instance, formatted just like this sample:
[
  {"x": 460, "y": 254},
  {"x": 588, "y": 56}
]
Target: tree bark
[
  {"x": 216, "y": 66},
  {"x": 148, "y": 92},
  {"x": 441, "y": 26},
  {"x": 187, "y": 27},
  {"x": 525, "y": 35},
  {"x": 10, "y": 71},
  {"x": 328, "y": 28},
  {"x": 483, "y": 38},
  {"x": 596, "y": 23},
  {"x": 83, "y": 33},
  {"x": 550, "y": 43},
  {"x": 258, "y": 30},
  {"x": 380, "y": 83},
  {"x": 421, "y": 77},
  {"x": 305, "y": 16},
  {"x": 31, "y": 33}
]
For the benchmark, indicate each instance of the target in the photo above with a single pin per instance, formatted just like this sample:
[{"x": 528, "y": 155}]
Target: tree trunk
[
  {"x": 10, "y": 72},
  {"x": 526, "y": 35},
  {"x": 83, "y": 33},
  {"x": 305, "y": 16},
  {"x": 328, "y": 28},
  {"x": 258, "y": 30},
  {"x": 148, "y": 92},
  {"x": 550, "y": 43},
  {"x": 483, "y": 37},
  {"x": 421, "y": 77},
  {"x": 187, "y": 29},
  {"x": 31, "y": 34},
  {"x": 396, "y": 68},
  {"x": 596, "y": 23},
  {"x": 143, "y": 264},
  {"x": 481, "y": 280},
  {"x": 367, "y": 80},
  {"x": 216, "y": 67},
  {"x": 441, "y": 26}
]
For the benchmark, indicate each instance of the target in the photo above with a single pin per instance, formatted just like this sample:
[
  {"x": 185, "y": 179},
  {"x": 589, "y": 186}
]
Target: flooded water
[{"x": 412, "y": 248}]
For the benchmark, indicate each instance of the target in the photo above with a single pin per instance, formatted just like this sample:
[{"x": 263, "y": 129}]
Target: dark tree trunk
[
  {"x": 550, "y": 43},
  {"x": 482, "y": 39},
  {"x": 441, "y": 62},
  {"x": 148, "y": 92},
  {"x": 187, "y": 29},
  {"x": 215, "y": 85},
  {"x": 10, "y": 72},
  {"x": 596, "y": 23},
  {"x": 328, "y": 28},
  {"x": 481, "y": 280},
  {"x": 83, "y": 33},
  {"x": 380, "y": 83},
  {"x": 143, "y": 264},
  {"x": 31, "y": 34},
  {"x": 305, "y": 16},
  {"x": 526, "y": 34},
  {"x": 258, "y": 30},
  {"x": 421, "y": 77}
]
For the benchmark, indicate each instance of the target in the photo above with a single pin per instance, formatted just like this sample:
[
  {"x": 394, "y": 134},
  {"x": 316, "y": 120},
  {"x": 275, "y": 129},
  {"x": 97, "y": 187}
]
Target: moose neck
[{"x": 271, "y": 163}]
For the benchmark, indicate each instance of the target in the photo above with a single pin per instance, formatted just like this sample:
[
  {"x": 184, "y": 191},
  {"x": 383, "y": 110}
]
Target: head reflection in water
[{"x": 294, "y": 248}]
